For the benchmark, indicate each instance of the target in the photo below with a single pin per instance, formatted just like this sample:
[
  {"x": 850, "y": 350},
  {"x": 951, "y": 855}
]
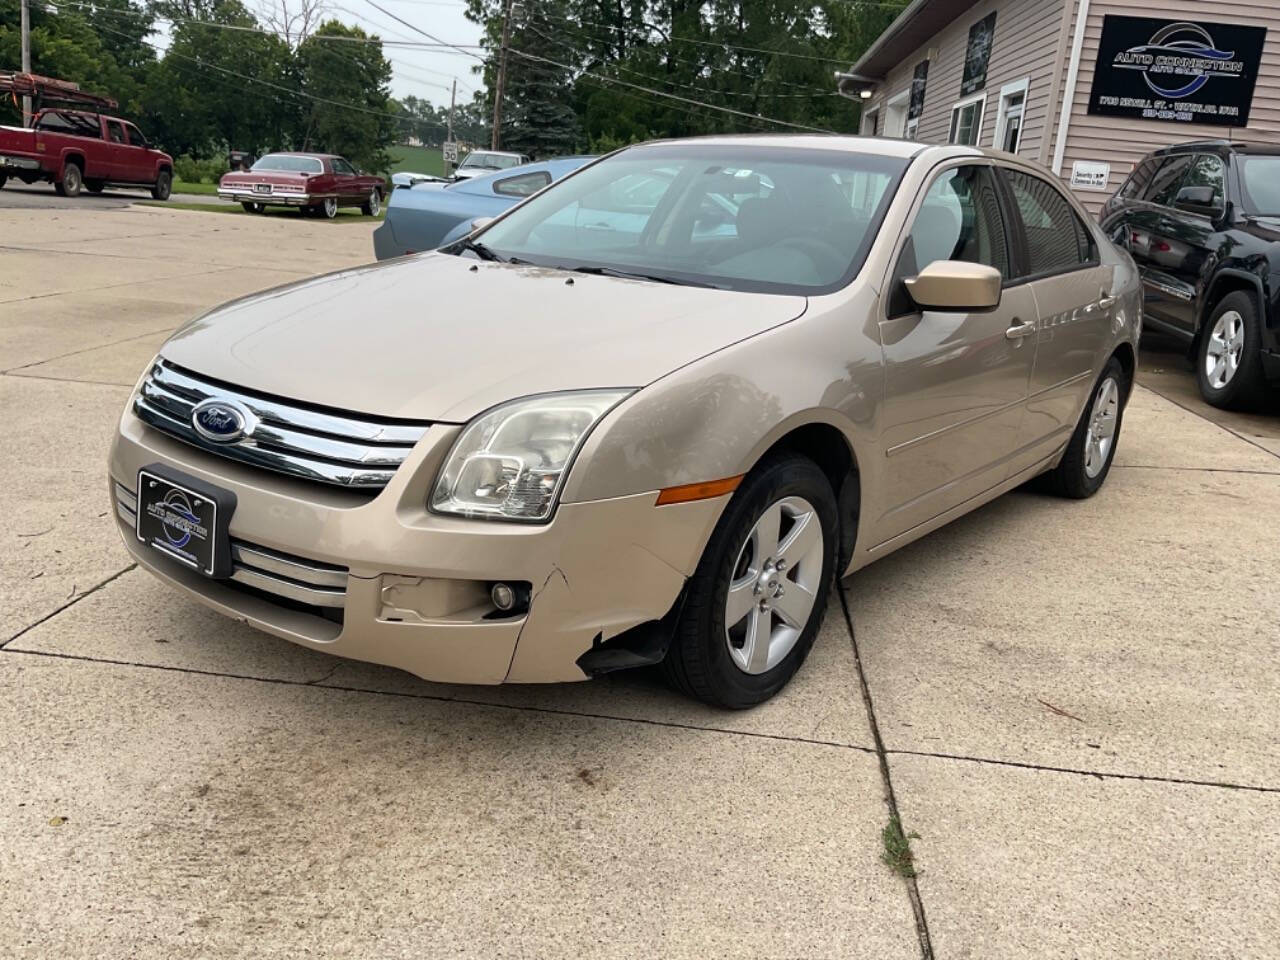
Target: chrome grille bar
[{"x": 341, "y": 450}]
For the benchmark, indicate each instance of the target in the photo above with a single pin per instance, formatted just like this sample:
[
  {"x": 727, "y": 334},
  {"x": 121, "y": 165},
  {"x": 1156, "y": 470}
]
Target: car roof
[
  {"x": 1216, "y": 146},
  {"x": 298, "y": 153}
]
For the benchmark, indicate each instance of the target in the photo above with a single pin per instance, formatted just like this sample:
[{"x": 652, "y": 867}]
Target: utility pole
[
  {"x": 26, "y": 59},
  {"x": 452, "y": 97},
  {"x": 496, "y": 140}
]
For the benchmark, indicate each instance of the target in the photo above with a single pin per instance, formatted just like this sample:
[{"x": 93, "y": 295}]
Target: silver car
[{"x": 646, "y": 416}]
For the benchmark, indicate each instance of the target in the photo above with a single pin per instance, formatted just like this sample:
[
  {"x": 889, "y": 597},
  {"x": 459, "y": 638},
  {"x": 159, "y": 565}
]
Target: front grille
[
  {"x": 297, "y": 580},
  {"x": 344, "y": 450}
]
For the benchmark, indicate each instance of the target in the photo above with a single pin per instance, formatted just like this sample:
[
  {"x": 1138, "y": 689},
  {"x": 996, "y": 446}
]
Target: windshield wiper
[
  {"x": 632, "y": 275},
  {"x": 479, "y": 249}
]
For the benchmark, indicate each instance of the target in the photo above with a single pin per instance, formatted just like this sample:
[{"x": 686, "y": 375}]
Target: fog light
[{"x": 503, "y": 596}]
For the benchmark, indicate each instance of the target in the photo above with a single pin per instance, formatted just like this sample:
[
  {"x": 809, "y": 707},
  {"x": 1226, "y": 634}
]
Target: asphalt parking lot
[{"x": 1074, "y": 705}]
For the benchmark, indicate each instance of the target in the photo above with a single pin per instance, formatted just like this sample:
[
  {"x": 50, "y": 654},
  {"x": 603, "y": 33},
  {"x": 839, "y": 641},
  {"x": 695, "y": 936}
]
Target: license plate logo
[{"x": 177, "y": 521}]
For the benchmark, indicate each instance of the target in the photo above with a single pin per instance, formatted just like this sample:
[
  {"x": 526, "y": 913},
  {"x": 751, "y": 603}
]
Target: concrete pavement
[{"x": 1073, "y": 703}]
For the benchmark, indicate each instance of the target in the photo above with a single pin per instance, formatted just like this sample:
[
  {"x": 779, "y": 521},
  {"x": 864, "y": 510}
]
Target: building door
[
  {"x": 955, "y": 383},
  {"x": 895, "y": 115}
]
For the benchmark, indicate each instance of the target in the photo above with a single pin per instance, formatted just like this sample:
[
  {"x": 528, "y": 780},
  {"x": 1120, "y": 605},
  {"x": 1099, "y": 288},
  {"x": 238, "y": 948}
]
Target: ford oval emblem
[{"x": 222, "y": 421}]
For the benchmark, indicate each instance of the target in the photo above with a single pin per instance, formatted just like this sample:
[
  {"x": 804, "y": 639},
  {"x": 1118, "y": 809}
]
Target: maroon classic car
[{"x": 318, "y": 183}]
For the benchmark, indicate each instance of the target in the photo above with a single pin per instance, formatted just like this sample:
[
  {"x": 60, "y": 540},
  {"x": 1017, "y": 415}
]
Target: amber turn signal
[{"x": 698, "y": 491}]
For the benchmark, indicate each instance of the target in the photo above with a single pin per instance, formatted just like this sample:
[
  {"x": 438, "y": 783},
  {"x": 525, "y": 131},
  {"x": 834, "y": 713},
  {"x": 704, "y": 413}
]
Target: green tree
[{"x": 349, "y": 86}]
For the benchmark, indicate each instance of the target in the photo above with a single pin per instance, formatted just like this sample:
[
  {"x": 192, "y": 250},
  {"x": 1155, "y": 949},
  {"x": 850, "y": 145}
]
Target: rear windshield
[
  {"x": 489, "y": 161},
  {"x": 1260, "y": 177},
  {"x": 287, "y": 164},
  {"x": 768, "y": 219},
  {"x": 72, "y": 123}
]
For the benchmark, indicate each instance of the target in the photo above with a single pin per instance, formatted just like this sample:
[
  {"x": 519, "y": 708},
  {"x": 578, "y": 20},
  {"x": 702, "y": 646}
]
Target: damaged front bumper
[{"x": 383, "y": 580}]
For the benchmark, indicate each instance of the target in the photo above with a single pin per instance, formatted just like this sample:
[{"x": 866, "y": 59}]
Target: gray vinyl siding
[
  {"x": 1123, "y": 142},
  {"x": 1026, "y": 44}
]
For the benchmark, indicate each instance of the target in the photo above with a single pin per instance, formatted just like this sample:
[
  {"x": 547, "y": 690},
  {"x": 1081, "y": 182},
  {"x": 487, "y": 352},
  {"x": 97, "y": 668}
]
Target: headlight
[{"x": 509, "y": 463}]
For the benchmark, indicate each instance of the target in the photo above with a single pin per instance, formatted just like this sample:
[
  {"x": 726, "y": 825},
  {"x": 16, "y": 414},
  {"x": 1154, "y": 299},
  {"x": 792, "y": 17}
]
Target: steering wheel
[{"x": 826, "y": 257}]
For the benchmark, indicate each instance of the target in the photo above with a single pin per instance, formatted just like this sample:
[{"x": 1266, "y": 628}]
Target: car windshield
[
  {"x": 1261, "y": 181},
  {"x": 286, "y": 164},
  {"x": 762, "y": 218},
  {"x": 489, "y": 161}
]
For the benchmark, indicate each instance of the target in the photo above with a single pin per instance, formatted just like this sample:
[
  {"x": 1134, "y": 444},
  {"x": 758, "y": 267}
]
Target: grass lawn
[
  {"x": 345, "y": 214},
  {"x": 207, "y": 189},
  {"x": 417, "y": 160}
]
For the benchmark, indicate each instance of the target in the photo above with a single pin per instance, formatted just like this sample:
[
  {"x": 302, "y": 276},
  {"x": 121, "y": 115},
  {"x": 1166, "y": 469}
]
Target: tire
[
  {"x": 94, "y": 186},
  {"x": 251, "y": 206},
  {"x": 328, "y": 208},
  {"x": 1087, "y": 460},
  {"x": 163, "y": 186},
  {"x": 3, "y": 178},
  {"x": 1229, "y": 354},
  {"x": 373, "y": 206},
  {"x": 71, "y": 181},
  {"x": 716, "y": 661}
]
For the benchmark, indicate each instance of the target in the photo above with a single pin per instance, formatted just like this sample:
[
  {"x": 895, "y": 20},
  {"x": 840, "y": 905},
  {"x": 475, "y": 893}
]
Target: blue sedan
[{"x": 428, "y": 215}]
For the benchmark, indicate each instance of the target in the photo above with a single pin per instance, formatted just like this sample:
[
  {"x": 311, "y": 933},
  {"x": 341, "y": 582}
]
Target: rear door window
[
  {"x": 1138, "y": 181},
  {"x": 959, "y": 220},
  {"x": 1208, "y": 170},
  {"x": 1056, "y": 239}
]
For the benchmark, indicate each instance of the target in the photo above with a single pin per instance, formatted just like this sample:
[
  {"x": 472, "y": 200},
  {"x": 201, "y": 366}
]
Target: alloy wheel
[
  {"x": 1102, "y": 427},
  {"x": 774, "y": 585},
  {"x": 375, "y": 203},
  {"x": 331, "y": 207},
  {"x": 1225, "y": 349}
]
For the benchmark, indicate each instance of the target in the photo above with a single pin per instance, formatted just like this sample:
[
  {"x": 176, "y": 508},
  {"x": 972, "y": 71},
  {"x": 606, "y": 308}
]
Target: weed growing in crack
[{"x": 897, "y": 853}]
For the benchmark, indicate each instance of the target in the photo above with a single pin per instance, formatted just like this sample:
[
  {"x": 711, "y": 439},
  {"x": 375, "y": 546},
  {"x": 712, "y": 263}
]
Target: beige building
[{"x": 1085, "y": 87}]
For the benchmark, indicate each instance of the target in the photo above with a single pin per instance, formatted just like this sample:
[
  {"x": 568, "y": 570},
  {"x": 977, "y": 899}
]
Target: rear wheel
[
  {"x": 1229, "y": 354},
  {"x": 71, "y": 181},
  {"x": 163, "y": 185},
  {"x": 755, "y": 602},
  {"x": 373, "y": 206},
  {"x": 1087, "y": 460}
]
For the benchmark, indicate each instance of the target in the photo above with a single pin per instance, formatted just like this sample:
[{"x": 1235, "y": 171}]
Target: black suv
[{"x": 1202, "y": 220}]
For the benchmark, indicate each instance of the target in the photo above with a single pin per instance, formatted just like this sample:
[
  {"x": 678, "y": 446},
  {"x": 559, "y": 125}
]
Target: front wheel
[
  {"x": 753, "y": 606},
  {"x": 163, "y": 185},
  {"x": 1087, "y": 460},
  {"x": 329, "y": 209},
  {"x": 373, "y": 206},
  {"x": 1229, "y": 355}
]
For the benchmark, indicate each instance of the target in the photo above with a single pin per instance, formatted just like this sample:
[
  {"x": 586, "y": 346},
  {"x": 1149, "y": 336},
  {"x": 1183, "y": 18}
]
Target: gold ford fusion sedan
[{"x": 644, "y": 417}]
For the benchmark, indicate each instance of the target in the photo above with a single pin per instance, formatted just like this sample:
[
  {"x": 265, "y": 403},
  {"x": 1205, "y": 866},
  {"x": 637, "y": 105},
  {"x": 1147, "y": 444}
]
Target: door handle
[
  {"x": 1020, "y": 329},
  {"x": 1106, "y": 303}
]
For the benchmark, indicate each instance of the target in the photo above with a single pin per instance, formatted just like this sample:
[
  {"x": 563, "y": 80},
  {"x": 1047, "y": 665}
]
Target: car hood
[{"x": 439, "y": 337}]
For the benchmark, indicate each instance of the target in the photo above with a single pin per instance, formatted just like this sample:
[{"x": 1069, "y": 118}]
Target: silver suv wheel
[{"x": 1225, "y": 348}]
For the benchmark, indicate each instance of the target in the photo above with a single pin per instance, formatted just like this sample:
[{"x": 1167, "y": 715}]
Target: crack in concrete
[
  {"x": 75, "y": 598},
  {"x": 1156, "y": 466},
  {"x": 913, "y": 888},
  {"x": 12, "y": 371},
  {"x": 46, "y": 377},
  {"x": 468, "y": 701},
  {"x": 116, "y": 286},
  {"x": 1220, "y": 426},
  {"x": 1081, "y": 772}
]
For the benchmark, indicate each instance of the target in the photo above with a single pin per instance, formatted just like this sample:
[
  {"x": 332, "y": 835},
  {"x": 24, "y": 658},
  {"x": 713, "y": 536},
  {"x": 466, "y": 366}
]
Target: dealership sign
[{"x": 1176, "y": 70}]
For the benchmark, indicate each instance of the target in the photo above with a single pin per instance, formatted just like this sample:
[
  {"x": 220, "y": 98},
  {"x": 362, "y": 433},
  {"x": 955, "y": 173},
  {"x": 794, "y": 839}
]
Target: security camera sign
[
  {"x": 1176, "y": 70},
  {"x": 1090, "y": 175}
]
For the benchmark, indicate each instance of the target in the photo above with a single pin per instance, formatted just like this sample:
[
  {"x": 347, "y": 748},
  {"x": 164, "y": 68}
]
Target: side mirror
[
  {"x": 956, "y": 285},
  {"x": 1201, "y": 200},
  {"x": 480, "y": 222}
]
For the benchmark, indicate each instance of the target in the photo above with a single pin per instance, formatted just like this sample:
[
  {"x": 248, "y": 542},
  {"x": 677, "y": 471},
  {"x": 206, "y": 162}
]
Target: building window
[
  {"x": 1013, "y": 101},
  {"x": 966, "y": 121}
]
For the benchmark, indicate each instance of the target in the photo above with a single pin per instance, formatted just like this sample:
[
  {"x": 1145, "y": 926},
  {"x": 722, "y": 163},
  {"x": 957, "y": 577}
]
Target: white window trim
[
  {"x": 1007, "y": 93},
  {"x": 872, "y": 114},
  {"x": 911, "y": 130},
  {"x": 902, "y": 100},
  {"x": 979, "y": 98}
]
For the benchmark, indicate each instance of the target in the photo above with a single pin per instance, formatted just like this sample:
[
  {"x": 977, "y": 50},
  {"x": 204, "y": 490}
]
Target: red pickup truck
[{"x": 79, "y": 149}]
